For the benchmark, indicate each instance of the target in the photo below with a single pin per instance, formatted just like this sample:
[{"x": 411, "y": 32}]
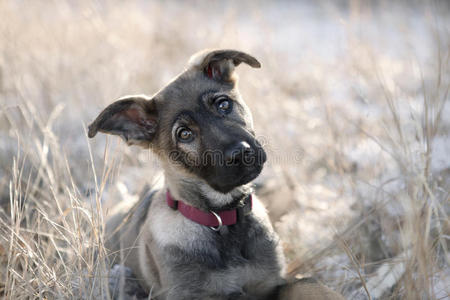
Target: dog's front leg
[
  {"x": 194, "y": 289},
  {"x": 196, "y": 274},
  {"x": 188, "y": 284}
]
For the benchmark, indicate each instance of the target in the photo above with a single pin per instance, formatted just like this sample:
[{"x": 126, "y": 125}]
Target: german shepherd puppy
[{"x": 202, "y": 235}]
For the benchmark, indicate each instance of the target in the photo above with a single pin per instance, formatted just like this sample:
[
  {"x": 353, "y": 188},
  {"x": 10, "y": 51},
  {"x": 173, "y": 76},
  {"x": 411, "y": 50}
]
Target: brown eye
[
  {"x": 224, "y": 105},
  {"x": 184, "y": 134}
]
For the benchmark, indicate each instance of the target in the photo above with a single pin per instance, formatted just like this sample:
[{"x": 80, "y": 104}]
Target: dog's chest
[
  {"x": 247, "y": 257},
  {"x": 240, "y": 258},
  {"x": 242, "y": 243},
  {"x": 236, "y": 245}
]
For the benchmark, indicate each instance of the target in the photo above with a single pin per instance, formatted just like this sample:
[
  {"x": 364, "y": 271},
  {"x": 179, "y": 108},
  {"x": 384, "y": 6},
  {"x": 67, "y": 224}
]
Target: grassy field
[{"x": 351, "y": 103}]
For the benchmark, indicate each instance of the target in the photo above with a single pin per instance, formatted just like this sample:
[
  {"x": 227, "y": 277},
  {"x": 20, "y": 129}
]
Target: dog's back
[{"x": 123, "y": 230}]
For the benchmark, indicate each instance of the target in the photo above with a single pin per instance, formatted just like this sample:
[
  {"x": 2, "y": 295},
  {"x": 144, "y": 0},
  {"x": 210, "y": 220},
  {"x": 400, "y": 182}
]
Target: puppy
[{"x": 201, "y": 234}]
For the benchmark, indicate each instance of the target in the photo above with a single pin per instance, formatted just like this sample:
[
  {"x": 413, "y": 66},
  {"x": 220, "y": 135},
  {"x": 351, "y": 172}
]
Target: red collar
[{"x": 215, "y": 220}]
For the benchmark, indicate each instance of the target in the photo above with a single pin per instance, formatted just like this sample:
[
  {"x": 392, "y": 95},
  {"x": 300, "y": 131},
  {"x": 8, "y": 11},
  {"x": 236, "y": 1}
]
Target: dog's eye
[
  {"x": 224, "y": 105},
  {"x": 185, "y": 134}
]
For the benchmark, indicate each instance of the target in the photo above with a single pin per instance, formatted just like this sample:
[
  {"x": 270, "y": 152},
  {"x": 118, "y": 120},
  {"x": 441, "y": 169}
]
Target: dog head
[{"x": 197, "y": 124}]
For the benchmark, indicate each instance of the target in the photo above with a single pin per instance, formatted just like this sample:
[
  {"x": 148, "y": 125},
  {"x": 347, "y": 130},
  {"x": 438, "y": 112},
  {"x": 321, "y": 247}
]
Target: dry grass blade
[{"x": 352, "y": 102}]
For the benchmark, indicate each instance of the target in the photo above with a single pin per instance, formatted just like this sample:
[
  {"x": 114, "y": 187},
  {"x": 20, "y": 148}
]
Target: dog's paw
[{"x": 124, "y": 285}]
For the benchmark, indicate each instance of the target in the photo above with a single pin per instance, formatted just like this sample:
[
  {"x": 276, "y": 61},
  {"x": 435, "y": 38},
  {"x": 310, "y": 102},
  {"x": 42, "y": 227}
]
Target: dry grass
[{"x": 352, "y": 101}]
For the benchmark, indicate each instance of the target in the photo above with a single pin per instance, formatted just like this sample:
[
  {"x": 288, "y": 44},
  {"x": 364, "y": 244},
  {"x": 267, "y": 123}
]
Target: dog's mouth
[
  {"x": 246, "y": 178},
  {"x": 227, "y": 185},
  {"x": 229, "y": 177}
]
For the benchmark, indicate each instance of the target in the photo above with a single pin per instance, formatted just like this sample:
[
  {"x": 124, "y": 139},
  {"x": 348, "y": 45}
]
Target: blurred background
[{"x": 351, "y": 103}]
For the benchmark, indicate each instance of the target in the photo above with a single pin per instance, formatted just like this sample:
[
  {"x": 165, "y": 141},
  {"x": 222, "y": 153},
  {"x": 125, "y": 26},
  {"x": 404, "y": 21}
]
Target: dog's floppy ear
[
  {"x": 219, "y": 64},
  {"x": 134, "y": 118}
]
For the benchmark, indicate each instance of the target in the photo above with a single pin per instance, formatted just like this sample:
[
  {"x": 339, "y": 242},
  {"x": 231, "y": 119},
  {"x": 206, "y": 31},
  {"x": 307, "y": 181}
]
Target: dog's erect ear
[
  {"x": 134, "y": 118},
  {"x": 220, "y": 64}
]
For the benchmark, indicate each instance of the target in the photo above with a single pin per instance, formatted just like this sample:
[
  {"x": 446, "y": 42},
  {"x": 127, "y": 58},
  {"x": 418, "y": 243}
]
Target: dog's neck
[{"x": 199, "y": 194}]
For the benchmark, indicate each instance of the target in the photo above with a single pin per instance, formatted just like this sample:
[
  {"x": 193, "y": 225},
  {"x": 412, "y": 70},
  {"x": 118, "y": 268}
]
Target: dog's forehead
[{"x": 185, "y": 91}]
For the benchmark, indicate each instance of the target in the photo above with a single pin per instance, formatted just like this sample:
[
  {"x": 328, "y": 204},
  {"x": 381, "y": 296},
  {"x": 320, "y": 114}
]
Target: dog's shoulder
[{"x": 260, "y": 214}]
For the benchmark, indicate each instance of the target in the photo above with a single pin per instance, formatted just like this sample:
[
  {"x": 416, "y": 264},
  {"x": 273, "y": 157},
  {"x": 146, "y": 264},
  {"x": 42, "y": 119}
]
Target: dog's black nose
[{"x": 239, "y": 153}]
